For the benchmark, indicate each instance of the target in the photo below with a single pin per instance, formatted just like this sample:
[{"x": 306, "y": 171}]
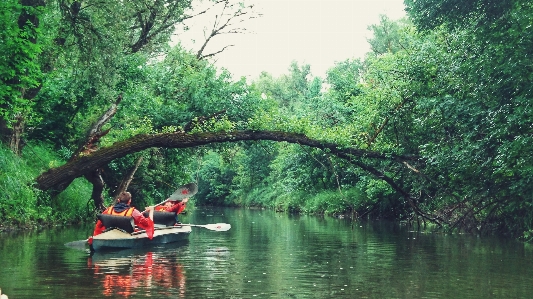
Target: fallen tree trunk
[{"x": 60, "y": 177}]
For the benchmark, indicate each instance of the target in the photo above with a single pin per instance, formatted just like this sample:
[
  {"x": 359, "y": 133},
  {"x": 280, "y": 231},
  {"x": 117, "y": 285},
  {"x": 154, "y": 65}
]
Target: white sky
[{"x": 314, "y": 32}]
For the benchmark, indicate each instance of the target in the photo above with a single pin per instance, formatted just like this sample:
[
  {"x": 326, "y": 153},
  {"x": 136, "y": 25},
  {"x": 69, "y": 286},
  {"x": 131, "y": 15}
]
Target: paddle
[{"x": 220, "y": 227}]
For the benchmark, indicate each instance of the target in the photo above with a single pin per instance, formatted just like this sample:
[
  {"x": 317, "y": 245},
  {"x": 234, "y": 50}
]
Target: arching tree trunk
[{"x": 58, "y": 178}]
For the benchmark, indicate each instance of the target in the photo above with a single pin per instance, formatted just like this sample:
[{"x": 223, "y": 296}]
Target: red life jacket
[
  {"x": 126, "y": 213},
  {"x": 99, "y": 228}
]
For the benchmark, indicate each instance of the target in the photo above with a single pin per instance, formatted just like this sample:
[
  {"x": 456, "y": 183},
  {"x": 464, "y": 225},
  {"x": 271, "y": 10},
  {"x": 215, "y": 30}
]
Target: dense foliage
[
  {"x": 24, "y": 205},
  {"x": 449, "y": 86}
]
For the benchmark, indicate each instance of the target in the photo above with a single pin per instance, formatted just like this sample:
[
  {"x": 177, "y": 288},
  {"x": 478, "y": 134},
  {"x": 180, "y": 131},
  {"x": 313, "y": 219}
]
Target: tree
[
  {"x": 20, "y": 75},
  {"x": 387, "y": 37},
  {"x": 93, "y": 53},
  {"x": 456, "y": 96},
  {"x": 429, "y": 14}
]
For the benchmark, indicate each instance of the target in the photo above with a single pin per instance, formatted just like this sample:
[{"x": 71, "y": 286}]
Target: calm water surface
[{"x": 269, "y": 255}]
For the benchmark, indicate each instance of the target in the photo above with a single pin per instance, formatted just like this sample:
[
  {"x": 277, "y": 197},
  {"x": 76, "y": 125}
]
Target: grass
[{"x": 24, "y": 205}]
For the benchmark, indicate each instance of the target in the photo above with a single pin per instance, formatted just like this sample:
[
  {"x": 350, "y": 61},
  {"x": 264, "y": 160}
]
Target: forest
[{"x": 432, "y": 128}]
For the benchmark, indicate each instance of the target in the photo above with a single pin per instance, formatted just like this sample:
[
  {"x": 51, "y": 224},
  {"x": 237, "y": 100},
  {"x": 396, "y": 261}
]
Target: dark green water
[{"x": 269, "y": 255}]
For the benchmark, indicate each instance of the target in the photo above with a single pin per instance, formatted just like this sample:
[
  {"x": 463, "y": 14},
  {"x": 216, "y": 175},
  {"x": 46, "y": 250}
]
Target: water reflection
[
  {"x": 270, "y": 255},
  {"x": 129, "y": 272}
]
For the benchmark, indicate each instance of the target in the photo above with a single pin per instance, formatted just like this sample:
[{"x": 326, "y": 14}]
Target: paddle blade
[
  {"x": 220, "y": 227},
  {"x": 80, "y": 244},
  {"x": 184, "y": 191}
]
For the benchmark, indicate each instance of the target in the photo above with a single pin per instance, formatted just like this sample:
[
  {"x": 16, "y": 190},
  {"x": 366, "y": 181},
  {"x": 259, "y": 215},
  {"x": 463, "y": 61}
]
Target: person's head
[{"x": 124, "y": 197}]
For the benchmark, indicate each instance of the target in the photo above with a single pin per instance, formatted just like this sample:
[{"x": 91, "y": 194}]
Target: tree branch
[{"x": 224, "y": 24}]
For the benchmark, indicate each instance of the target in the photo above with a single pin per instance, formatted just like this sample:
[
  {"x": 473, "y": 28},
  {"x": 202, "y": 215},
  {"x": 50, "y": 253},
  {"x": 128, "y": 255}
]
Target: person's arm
[
  {"x": 98, "y": 228},
  {"x": 179, "y": 207},
  {"x": 140, "y": 220},
  {"x": 143, "y": 222},
  {"x": 183, "y": 205}
]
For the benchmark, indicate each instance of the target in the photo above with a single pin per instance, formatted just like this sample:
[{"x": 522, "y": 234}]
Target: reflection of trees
[{"x": 126, "y": 276}]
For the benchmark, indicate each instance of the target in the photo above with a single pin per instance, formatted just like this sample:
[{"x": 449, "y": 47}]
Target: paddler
[
  {"x": 123, "y": 208},
  {"x": 174, "y": 206}
]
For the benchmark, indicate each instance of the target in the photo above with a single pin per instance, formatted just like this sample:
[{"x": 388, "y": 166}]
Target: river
[{"x": 270, "y": 255}]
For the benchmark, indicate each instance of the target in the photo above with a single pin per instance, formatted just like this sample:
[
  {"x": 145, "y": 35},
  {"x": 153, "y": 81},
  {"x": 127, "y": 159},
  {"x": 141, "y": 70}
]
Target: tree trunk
[
  {"x": 15, "y": 142},
  {"x": 93, "y": 135},
  {"x": 58, "y": 178},
  {"x": 95, "y": 178}
]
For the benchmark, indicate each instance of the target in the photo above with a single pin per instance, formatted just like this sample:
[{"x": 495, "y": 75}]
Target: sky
[{"x": 314, "y": 32}]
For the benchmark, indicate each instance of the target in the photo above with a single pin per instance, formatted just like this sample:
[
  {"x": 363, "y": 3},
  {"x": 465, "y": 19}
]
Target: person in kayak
[
  {"x": 123, "y": 208},
  {"x": 173, "y": 206}
]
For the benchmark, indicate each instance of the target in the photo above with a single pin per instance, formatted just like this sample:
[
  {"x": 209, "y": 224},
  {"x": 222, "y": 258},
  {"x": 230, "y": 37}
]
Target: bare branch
[
  {"x": 94, "y": 134},
  {"x": 215, "y": 53},
  {"x": 152, "y": 21},
  {"x": 225, "y": 23}
]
